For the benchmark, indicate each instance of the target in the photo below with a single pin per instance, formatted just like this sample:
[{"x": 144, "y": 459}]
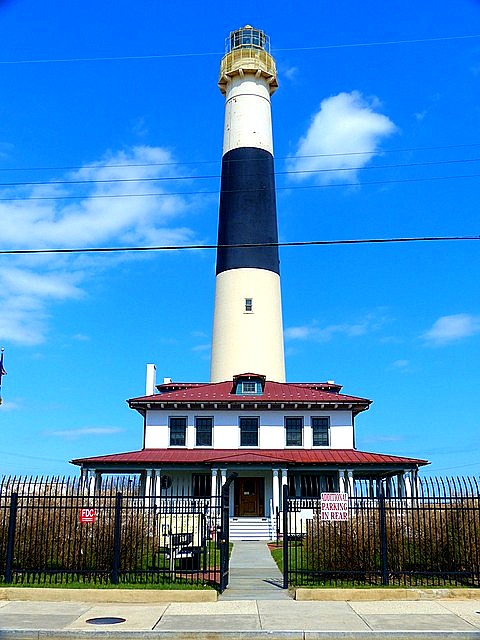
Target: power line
[
  {"x": 204, "y": 193},
  {"x": 198, "y": 162},
  {"x": 238, "y": 246},
  {"x": 216, "y": 176},
  {"x": 164, "y": 56},
  {"x": 380, "y": 44}
]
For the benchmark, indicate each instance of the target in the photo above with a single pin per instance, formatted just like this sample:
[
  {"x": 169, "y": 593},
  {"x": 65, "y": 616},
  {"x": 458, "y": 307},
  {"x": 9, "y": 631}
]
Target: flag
[{"x": 2, "y": 373}]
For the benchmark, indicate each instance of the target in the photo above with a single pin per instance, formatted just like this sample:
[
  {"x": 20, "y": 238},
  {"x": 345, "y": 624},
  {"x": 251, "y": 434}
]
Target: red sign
[{"x": 87, "y": 515}]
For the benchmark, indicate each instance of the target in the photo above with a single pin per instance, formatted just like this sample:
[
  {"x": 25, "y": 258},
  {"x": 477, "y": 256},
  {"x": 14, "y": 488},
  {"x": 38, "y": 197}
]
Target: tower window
[{"x": 248, "y": 305}]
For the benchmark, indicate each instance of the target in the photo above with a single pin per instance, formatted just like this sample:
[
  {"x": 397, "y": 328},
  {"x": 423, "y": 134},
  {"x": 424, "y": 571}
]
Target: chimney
[{"x": 150, "y": 380}]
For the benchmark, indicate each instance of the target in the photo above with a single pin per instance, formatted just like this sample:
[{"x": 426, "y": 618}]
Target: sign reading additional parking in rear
[{"x": 334, "y": 506}]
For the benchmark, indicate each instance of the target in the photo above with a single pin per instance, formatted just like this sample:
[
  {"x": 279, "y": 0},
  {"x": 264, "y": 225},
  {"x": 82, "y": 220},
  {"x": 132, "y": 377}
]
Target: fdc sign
[
  {"x": 334, "y": 506},
  {"x": 87, "y": 515}
]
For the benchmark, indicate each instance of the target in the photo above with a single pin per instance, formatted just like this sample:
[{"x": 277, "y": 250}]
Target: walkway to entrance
[{"x": 253, "y": 574}]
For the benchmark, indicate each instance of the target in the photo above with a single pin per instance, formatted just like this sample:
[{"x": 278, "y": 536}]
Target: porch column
[
  {"x": 401, "y": 485},
  {"x": 275, "y": 492},
  {"x": 214, "y": 489},
  {"x": 158, "y": 486},
  {"x": 407, "y": 483},
  {"x": 84, "y": 480},
  {"x": 95, "y": 482},
  {"x": 148, "y": 486},
  {"x": 388, "y": 487},
  {"x": 341, "y": 480},
  {"x": 284, "y": 481},
  {"x": 351, "y": 483},
  {"x": 223, "y": 473}
]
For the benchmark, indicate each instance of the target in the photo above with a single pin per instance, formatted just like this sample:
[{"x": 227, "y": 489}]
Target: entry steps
[{"x": 244, "y": 528}]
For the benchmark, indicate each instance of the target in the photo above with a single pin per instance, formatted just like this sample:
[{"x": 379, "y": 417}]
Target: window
[
  {"x": 320, "y": 428},
  {"x": 249, "y": 388},
  {"x": 202, "y": 485},
  {"x": 248, "y": 305},
  {"x": 249, "y": 432},
  {"x": 203, "y": 432},
  {"x": 178, "y": 432},
  {"x": 293, "y": 432}
]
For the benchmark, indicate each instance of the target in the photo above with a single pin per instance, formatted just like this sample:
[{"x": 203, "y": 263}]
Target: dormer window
[
  {"x": 249, "y": 388},
  {"x": 248, "y": 384}
]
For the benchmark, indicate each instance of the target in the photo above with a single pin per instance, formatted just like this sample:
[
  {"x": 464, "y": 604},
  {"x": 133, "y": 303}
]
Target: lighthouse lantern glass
[{"x": 248, "y": 38}]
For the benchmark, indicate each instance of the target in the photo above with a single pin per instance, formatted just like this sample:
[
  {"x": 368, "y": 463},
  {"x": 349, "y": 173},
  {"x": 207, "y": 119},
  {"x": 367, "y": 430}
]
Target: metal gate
[{"x": 224, "y": 538}]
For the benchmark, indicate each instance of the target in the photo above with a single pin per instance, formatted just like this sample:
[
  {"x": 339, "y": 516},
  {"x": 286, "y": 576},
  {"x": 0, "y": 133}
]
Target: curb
[
  {"x": 101, "y": 596},
  {"x": 365, "y": 595},
  {"x": 44, "y": 634}
]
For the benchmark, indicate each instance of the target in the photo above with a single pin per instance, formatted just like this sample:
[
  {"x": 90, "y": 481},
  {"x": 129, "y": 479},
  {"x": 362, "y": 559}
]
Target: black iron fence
[
  {"x": 386, "y": 534},
  {"x": 56, "y": 531}
]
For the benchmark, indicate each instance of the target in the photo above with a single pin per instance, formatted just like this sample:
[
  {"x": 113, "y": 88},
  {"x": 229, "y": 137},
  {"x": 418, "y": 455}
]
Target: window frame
[
  {"x": 185, "y": 429},
  {"x": 197, "y": 418},
  {"x": 294, "y": 431},
  {"x": 240, "y": 420},
  {"x": 326, "y": 432}
]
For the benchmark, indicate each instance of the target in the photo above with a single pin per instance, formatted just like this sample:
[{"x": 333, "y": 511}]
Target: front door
[{"x": 249, "y": 497}]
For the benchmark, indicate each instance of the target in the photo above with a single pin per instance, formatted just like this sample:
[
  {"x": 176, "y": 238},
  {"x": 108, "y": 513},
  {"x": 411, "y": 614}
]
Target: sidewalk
[{"x": 247, "y": 619}]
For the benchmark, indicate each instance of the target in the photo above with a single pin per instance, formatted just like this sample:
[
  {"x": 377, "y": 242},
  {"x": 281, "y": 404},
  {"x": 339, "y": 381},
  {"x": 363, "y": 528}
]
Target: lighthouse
[{"x": 247, "y": 326}]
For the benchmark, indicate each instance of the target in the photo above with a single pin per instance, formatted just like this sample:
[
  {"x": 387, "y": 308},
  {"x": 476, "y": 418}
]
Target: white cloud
[
  {"x": 452, "y": 328},
  {"x": 86, "y": 431},
  {"x": 400, "y": 364},
  {"x": 347, "y": 123},
  {"x": 323, "y": 334},
  {"x": 29, "y": 285}
]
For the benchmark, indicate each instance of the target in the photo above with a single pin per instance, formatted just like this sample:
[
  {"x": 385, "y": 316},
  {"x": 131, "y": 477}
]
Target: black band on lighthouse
[{"x": 247, "y": 211}]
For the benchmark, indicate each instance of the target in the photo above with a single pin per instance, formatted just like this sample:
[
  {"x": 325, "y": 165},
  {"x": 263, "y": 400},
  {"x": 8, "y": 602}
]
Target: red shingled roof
[
  {"x": 273, "y": 392},
  {"x": 248, "y": 456}
]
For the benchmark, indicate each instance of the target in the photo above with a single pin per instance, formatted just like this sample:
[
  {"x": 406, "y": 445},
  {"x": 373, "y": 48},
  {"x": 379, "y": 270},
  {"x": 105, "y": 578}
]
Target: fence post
[
  {"x": 285, "y": 535},
  {"x": 383, "y": 536},
  {"x": 12, "y": 521},
  {"x": 116, "y": 537}
]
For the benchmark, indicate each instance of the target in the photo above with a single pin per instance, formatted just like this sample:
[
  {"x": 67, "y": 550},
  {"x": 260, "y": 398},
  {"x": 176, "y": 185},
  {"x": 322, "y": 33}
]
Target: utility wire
[
  {"x": 204, "y": 193},
  {"x": 198, "y": 162},
  {"x": 219, "y": 53},
  {"x": 253, "y": 175},
  {"x": 238, "y": 246}
]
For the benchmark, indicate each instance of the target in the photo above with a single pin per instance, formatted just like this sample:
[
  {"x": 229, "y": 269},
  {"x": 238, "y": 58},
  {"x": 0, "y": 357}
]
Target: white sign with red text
[{"x": 334, "y": 506}]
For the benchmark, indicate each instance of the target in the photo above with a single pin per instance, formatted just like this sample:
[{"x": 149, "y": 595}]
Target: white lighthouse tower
[{"x": 247, "y": 327}]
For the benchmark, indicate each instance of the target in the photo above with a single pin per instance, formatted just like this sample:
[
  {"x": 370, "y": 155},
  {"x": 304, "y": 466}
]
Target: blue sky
[{"x": 397, "y": 323}]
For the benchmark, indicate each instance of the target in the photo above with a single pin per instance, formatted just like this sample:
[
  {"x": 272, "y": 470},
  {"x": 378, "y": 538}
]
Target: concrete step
[{"x": 250, "y": 529}]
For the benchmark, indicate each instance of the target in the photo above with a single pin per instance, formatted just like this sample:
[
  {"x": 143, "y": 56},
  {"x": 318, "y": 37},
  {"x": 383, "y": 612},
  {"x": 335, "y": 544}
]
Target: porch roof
[{"x": 184, "y": 457}]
